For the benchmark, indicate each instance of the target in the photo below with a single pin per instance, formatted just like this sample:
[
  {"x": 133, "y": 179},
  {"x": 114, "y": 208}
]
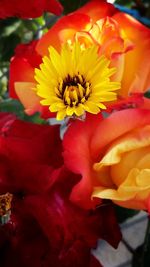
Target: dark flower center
[{"x": 73, "y": 90}]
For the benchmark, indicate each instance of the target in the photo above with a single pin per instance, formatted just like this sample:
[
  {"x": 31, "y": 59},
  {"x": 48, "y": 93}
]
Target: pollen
[
  {"x": 75, "y": 81},
  {"x": 5, "y": 203},
  {"x": 73, "y": 90}
]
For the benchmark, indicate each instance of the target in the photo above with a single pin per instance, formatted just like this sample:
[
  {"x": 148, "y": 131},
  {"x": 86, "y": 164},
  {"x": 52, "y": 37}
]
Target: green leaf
[
  {"x": 124, "y": 2},
  {"x": 123, "y": 214},
  {"x": 70, "y": 6},
  {"x": 7, "y": 46},
  {"x": 138, "y": 260},
  {"x": 15, "y": 107},
  {"x": 141, "y": 257},
  {"x": 8, "y": 26},
  {"x": 147, "y": 94}
]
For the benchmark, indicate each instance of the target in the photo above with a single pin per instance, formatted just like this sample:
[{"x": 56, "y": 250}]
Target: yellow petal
[
  {"x": 61, "y": 114},
  {"x": 91, "y": 107}
]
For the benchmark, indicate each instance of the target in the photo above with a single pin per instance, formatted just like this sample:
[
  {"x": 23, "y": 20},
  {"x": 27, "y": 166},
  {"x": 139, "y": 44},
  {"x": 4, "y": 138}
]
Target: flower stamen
[
  {"x": 5, "y": 207},
  {"x": 73, "y": 90}
]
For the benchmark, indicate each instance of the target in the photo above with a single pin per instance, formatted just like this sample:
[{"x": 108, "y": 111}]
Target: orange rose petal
[
  {"x": 125, "y": 121},
  {"x": 136, "y": 185},
  {"x": 144, "y": 162},
  {"x": 80, "y": 20},
  {"x": 118, "y": 63},
  {"x": 133, "y": 203},
  {"x": 137, "y": 204},
  {"x": 146, "y": 103},
  {"x": 136, "y": 76},
  {"x": 97, "y": 9},
  {"x": 113, "y": 194},
  {"x": 58, "y": 33},
  {"x": 22, "y": 71},
  {"x": 136, "y": 139},
  {"x": 28, "y": 97},
  {"x": 129, "y": 161}
]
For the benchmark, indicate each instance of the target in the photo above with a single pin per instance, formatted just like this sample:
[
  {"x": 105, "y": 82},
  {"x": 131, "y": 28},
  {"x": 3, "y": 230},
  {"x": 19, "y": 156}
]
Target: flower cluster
[{"x": 90, "y": 71}]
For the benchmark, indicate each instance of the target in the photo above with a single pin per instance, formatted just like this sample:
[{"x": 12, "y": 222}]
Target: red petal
[
  {"x": 97, "y": 9},
  {"x": 78, "y": 160},
  {"x": 71, "y": 231},
  {"x": 32, "y": 142},
  {"x": 22, "y": 65},
  {"x": 35, "y": 8}
]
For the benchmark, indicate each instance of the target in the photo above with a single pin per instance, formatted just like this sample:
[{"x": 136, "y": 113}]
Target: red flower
[
  {"x": 33, "y": 9},
  {"x": 112, "y": 155},
  {"x": 46, "y": 228}
]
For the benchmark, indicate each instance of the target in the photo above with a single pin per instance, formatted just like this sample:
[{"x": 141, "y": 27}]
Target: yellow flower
[{"x": 75, "y": 81}]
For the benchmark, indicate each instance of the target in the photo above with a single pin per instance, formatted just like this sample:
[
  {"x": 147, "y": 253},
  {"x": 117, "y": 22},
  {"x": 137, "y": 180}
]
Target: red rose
[
  {"x": 33, "y": 9},
  {"x": 45, "y": 227}
]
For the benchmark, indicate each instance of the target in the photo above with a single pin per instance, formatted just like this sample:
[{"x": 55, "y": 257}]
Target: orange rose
[
  {"x": 119, "y": 38},
  {"x": 113, "y": 157}
]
